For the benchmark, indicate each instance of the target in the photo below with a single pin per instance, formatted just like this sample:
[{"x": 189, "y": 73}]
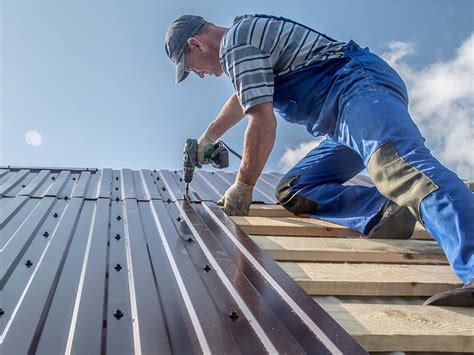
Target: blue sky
[{"x": 93, "y": 79}]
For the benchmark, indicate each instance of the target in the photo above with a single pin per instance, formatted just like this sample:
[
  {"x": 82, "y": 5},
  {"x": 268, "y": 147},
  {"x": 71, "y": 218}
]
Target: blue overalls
[{"x": 360, "y": 103}]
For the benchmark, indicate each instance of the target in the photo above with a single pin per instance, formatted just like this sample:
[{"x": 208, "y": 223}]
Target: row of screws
[{"x": 118, "y": 314}]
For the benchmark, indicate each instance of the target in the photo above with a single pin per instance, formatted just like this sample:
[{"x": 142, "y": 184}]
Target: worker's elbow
[
  {"x": 262, "y": 116},
  {"x": 261, "y": 109}
]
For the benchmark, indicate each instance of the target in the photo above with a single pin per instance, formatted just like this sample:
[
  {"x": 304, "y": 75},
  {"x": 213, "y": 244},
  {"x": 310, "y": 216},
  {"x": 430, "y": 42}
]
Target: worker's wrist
[
  {"x": 205, "y": 139},
  {"x": 243, "y": 186}
]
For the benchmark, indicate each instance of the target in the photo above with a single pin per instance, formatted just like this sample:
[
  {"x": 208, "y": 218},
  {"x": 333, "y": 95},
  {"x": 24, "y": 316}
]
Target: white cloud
[
  {"x": 293, "y": 154},
  {"x": 441, "y": 103},
  {"x": 33, "y": 138}
]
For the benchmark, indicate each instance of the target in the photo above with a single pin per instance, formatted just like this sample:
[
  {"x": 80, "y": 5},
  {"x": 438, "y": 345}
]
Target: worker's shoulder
[{"x": 244, "y": 30}]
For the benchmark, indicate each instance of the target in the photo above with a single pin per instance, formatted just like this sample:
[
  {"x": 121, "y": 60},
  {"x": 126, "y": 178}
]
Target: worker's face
[{"x": 202, "y": 58}]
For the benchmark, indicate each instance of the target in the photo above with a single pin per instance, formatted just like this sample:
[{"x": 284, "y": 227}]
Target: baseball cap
[{"x": 176, "y": 38}]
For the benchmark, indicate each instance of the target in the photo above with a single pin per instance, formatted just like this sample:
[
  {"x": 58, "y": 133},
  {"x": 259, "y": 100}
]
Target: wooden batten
[{"x": 289, "y": 248}]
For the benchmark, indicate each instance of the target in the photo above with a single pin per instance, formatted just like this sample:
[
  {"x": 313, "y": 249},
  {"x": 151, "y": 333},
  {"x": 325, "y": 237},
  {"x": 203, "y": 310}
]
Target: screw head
[
  {"x": 117, "y": 236},
  {"x": 154, "y": 170},
  {"x": 116, "y": 189},
  {"x": 233, "y": 315},
  {"x": 118, "y": 218},
  {"x": 2, "y": 312},
  {"x": 163, "y": 188},
  {"x": 116, "y": 178},
  {"x": 118, "y": 313},
  {"x": 118, "y": 267},
  {"x": 28, "y": 263},
  {"x": 179, "y": 219},
  {"x": 157, "y": 178},
  {"x": 23, "y": 185},
  {"x": 66, "y": 198},
  {"x": 207, "y": 268},
  {"x": 117, "y": 199},
  {"x": 55, "y": 215},
  {"x": 190, "y": 239},
  {"x": 53, "y": 178},
  {"x": 74, "y": 179},
  {"x": 46, "y": 234},
  {"x": 168, "y": 200}
]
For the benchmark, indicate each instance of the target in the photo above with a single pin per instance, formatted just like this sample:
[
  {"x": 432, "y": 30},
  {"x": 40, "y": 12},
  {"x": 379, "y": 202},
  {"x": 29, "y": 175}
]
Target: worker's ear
[{"x": 193, "y": 42}]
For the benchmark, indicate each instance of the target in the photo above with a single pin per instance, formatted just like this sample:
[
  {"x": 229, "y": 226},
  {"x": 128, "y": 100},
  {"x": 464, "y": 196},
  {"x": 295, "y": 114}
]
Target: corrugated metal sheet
[{"x": 114, "y": 261}]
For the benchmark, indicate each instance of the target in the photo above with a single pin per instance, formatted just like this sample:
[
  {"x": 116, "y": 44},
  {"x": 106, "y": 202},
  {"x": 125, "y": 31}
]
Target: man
[{"x": 354, "y": 98}]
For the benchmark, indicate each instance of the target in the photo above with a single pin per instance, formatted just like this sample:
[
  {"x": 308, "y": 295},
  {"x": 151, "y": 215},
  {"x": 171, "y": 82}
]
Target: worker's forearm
[
  {"x": 258, "y": 144},
  {"x": 230, "y": 114}
]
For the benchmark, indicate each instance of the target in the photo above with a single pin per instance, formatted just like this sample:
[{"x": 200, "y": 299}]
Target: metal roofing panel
[{"x": 142, "y": 271}]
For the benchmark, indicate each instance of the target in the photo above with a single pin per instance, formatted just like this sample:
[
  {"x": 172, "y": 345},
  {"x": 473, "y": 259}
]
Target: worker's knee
[
  {"x": 293, "y": 202},
  {"x": 397, "y": 180}
]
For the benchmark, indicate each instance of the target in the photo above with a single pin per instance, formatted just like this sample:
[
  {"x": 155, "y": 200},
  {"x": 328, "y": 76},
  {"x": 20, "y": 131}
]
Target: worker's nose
[{"x": 199, "y": 73}]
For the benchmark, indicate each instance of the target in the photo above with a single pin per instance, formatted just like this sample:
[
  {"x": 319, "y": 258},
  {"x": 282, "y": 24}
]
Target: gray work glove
[
  {"x": 237, "y": 199},
  {"x": 205, "y": 144}
]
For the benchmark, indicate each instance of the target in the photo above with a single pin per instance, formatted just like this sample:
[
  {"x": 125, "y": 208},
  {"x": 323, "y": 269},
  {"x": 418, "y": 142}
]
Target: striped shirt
[{"x": 258, "y": 48}]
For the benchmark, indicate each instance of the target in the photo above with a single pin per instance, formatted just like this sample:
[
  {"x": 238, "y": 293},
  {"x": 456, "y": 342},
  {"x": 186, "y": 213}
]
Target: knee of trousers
[
  {"x": 398, "y": 180},
  {"x": 293, "y": 202}
]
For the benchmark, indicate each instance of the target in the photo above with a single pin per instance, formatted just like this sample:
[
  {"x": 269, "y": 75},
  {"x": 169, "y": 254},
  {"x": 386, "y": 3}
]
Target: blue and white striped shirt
[{"x": 258, "y": 48}]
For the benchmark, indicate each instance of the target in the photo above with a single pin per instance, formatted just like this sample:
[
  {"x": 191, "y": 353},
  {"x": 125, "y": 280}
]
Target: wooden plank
[
  {"x": 304, "y": 227},
  {"x": 291, "y": 226},
  {"x": 352, "y": 250},
  {"x": 385, "y": 327},
  {"x": 260, "y": 210},
  {"x": 371, "y": 279}
]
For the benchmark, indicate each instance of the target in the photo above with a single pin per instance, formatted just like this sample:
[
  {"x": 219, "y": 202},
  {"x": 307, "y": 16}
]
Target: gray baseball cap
[{"x": 176, "y": 38}]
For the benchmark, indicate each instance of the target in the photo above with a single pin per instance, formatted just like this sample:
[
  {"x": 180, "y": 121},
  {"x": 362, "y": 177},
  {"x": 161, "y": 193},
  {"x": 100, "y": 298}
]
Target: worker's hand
[
  {"x": 205, "y": 144},
  {"x": 237, "y": 199}
]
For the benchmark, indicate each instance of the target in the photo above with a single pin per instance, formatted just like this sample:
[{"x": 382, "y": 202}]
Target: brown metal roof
[{"x": 115, "y": 261}]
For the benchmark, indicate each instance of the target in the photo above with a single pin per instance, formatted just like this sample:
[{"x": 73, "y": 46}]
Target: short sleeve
[{"x": 251, "y": 72}]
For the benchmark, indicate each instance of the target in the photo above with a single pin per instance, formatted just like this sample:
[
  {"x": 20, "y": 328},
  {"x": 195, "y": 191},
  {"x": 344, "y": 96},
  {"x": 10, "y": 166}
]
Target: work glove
[
  {"x": 237, "y": 199},
  {"x": 205, "y": 144}
]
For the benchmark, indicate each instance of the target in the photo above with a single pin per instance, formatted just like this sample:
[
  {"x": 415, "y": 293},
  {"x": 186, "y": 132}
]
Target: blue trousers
[{"x": 373, "y": 129}]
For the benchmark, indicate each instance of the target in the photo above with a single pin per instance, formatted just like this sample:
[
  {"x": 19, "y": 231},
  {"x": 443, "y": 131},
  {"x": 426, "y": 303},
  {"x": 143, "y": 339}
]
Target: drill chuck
[{"x": 188, "y": 175}]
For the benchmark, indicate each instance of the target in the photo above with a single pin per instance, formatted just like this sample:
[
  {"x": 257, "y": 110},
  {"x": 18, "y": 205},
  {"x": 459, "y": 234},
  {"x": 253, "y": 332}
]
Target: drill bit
[{"x": 186, "y": 193}]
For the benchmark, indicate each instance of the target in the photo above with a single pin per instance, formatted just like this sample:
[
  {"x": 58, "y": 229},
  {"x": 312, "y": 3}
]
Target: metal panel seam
[
  {"x": 77, "y": 302},
  {"x": 131, "y": 288},
  {"x": 192, "y": 312}
]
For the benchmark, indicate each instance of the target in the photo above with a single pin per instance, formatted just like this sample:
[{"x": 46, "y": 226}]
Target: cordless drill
[{"x": 217, "y": 154}]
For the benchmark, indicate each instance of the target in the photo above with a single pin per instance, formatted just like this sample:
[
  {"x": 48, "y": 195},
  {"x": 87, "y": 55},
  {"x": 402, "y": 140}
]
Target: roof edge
[{"x": 47, "y": 168}]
